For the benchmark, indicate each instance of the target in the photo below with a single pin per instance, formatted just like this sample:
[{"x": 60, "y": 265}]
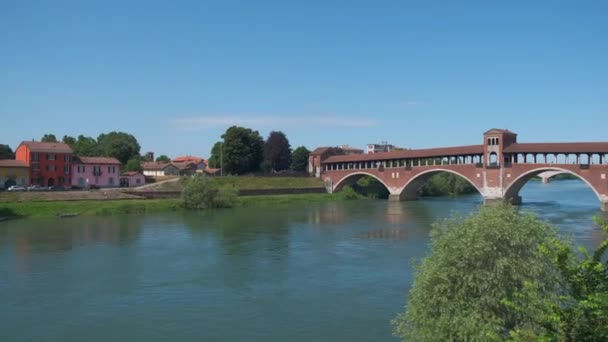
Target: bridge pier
[
  {"x": 604, "y": 206},
  {"x": 394, "y": 198}
]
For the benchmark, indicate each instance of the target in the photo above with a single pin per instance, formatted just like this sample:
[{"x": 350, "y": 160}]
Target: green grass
[
  {"x": 111, "y": 207},
  {"x": 114, "y": 207},
  {"x": 250, "y": 182}
]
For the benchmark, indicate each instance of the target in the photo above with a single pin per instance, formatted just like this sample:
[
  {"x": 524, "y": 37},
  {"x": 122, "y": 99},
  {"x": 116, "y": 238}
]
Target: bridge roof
[
  {"x": 403, "y": 154},
  {"x": 578, "y": 147}
]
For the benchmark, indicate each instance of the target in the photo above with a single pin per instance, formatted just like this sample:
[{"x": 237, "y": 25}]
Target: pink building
[
  {"x": 100, "y": 172},
  {"x": 132, "y": 179}
]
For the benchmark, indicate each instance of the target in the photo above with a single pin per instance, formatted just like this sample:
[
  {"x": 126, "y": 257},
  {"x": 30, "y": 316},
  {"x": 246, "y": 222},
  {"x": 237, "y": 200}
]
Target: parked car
[
  {"x": 14, "y": 188},
  {"x": 36, "y": 188},
  {"x": 57, "y": 188}
]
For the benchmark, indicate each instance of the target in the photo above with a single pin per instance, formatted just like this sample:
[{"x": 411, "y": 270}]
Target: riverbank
[{"x": 140, "y": 206}]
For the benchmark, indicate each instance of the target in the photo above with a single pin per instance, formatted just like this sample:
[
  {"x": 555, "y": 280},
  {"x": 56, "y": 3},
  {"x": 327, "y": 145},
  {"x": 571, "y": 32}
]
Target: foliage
[
  {"x": 6, "y": 152},
  {"x": 579, "y": 312},
  {"x": 265, "y": 167},
  {"x": 133, "y": 165},
  {"x": 446, "y": 184},
  {"x": 215, "y": 160},
  {"x": 49, "y": 138},
  {"x": 299, "y": 159},
  {"x": 277, "y": 151},
  {"x": 69, "y": 140},
  {"x": 163, "y": 159},
  {"x": 120, "y": 145},
  {"x": 348, "y": 193},
  {"x": 475, "y": 267},
  {"x": 371, "y": 187},
  {"x": 242, "y": 150},
  {"x": 203, "y": 192}
]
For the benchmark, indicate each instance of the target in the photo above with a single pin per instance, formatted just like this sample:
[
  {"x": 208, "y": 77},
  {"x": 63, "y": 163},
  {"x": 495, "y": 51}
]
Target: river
[{"x": 336, "y": 271}]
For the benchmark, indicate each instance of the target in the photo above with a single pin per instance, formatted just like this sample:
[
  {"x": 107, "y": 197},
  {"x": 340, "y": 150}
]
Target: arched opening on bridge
[
  {"x": 512, "y": 193},
  {"x": 493, "y": 159},
  {"x": 365, "y": 184},
  {"x": 440, "y": 182}
]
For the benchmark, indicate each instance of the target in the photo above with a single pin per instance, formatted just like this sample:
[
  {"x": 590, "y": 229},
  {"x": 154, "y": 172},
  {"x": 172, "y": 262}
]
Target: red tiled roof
[
  {"x": 499, "y": 130},
  {"x": 577, "y": 147},
  {"x": 38, "y": 146},
  {"x": 12, "y": 163},
  {"x": 320, "y": 150},
  {"x": 99, "y": 160},
  {"x": 402, "y": 154},
  {"x": 154, "y": 165},
  {"x": 183, "y": 165},
  {"x": 130, "y": 173},
  {"x": 191, "y": 159}
]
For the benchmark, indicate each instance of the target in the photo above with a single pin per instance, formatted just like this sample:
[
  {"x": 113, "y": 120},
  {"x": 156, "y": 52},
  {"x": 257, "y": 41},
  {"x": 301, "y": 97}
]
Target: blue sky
[{"x": 176, "y": 74}]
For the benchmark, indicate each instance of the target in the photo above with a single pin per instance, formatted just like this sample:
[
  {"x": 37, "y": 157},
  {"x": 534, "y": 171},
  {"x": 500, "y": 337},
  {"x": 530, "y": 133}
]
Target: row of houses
[{"x": 54, "y": 164}]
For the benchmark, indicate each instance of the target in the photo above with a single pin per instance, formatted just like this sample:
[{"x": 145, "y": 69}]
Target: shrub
[
  {"x": 349, "y": 193},
  {"x": 475, "y": 268},
  {"x": 203, "y": 192}
]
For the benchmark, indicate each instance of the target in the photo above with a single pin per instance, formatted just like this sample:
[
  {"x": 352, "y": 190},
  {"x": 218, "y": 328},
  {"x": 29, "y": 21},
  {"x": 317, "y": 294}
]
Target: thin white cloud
[{"x": 213, "y": 121}]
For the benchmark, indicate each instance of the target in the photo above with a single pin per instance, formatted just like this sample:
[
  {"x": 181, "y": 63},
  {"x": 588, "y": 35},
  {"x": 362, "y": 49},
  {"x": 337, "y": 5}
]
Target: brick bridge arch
[
  {"x": 512, "y": 190},
  {"x": 410, "y": 189},
  {"x": 351, "y": 179}
]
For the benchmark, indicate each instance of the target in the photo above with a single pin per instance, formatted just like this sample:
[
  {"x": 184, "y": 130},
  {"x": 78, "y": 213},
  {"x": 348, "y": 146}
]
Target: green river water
[{"x": 335, "y": 271}]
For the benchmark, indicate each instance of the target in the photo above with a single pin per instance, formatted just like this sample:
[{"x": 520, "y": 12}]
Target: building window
[
  {"x": 66, "y": 169},
  {"x": 66, "y": 158},
  {"x": 50, "y": 156},
  {"x": 137, "y": 181},
  {"x": 81, "y": 181},
  {"x": 111, "y": 181},
  {"x": 35, "y": 157},
  {"x": 50, "y": 167}
]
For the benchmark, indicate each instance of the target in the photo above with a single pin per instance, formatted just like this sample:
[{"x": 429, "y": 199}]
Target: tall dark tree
[
  {"x": 242, "y": 150},
  {"x": 277, "y": 151},
  {"x": 71, "y": 141},
  {"x": 216, "y": 155},
  {"x": 120, "y": 145},
  {"x": 133, "y": 164},
  {"x": 85, "y": 146},
  {"x": 49, "y": 138},
  {"x": 6, "y": 152},
  {"x": 299, "y": 159},
  {"x": 163, "y": 159}
]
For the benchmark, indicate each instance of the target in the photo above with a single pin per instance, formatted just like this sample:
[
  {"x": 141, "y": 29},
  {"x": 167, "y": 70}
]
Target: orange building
[{"x": 49, "y": 163}]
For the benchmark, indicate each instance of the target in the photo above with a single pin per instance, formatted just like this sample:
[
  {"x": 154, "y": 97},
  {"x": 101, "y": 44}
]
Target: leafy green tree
[
  {"x": 49, "y": 138},
  {"x": 299, "y": 159},
  {"x": 120, "y": 145},
  {"x": 242, "y": 150},
  {"x": 216, "y": 155},
  {"x": 163, "y": 159},
  {"x": 203, "y": 192},
  {"x": 371, "y": 187},
  {"x": 133, "y": 164},
  {"x": 6, "y": 152},
  {"x": 447, "y": 184},
  {"x": 82, "y": 146},
  {"x": 71, "y": 141},
  {"x": 475, "y": 268},
  {"x": 579, "y": 311},
  {"x": 277, "y": 151}
]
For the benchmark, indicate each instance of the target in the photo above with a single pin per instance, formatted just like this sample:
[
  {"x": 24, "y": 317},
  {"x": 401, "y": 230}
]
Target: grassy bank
[
  {"x": 110, "y": 207},
  {"x": 114, "y": 207}
]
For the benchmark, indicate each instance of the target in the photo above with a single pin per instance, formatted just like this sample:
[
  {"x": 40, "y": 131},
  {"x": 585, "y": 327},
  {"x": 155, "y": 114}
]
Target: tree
[
  {"x": 120, "y": 145},
  {"x": 446, "y": 184},
  {"x": 6, "y": 152},
  {"x": 475, "y": 268},
  {"x": 579, "y": 311},
  {"x": 299, "y": 159},
  {"x": 277, "y": 151},
  {"x": 203, "y": 192},
  {"x": 242, "y": 150},
  {"x": 49, "y": 138},
  {"x": 163, "y": 159},
  {"x": 216, "y": 155},
  {"x": 86, "y": 146},
  {"x": 133, "y": 165},
  {"x": 70, "y": 141}
]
